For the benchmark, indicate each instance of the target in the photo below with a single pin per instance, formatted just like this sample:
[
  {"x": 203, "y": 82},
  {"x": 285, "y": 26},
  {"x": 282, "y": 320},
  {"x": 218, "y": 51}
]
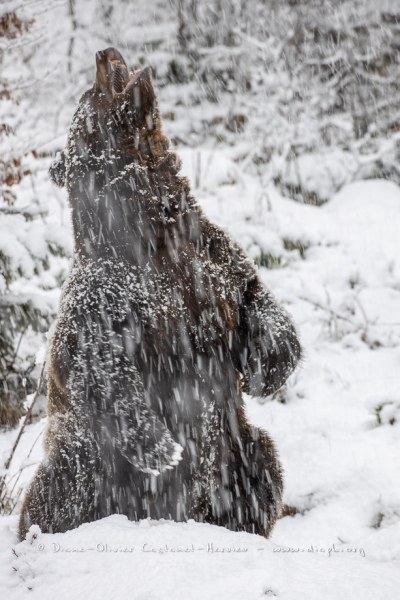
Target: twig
[
  {"x": 22, "y": 429},
  {"x": 20, "y": 470},
  {"x": 343, "y": 318},
  {"x": 329, "y": 310},
  {"x": 16, "y": 502},
  {"x": 19, "y": 344},
  {"x": 74, "y": 25}
]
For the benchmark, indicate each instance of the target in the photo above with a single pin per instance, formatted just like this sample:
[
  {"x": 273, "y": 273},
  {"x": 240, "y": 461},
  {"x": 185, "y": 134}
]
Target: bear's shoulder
[{"x": 227, "y": 255}]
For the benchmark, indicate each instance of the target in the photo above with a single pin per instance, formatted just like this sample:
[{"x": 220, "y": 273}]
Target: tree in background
[
  {"x": 26, "y": 240},
  {"x": 304, "y": 92},
  {"x": 342, "y": 64},
  {"x": 319, "y": 77}
]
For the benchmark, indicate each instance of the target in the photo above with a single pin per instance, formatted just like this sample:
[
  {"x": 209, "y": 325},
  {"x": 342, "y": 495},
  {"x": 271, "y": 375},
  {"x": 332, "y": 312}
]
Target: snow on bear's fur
[{"x": 163, "y": 324}]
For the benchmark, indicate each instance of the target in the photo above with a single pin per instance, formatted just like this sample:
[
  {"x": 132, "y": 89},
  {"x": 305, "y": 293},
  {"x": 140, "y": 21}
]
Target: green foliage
[
  {"x": 268, "y": 260},
  {"x": 296, "y": 245},
  {"x": 387, "y": 413}
]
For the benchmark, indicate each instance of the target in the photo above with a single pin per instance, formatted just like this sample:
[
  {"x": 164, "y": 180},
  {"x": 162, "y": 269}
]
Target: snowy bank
[{"x": 154, "y": 560}]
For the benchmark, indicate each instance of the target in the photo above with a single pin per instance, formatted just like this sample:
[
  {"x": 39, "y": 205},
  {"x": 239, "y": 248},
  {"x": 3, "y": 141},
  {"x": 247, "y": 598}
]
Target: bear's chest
[{"x": 173, "y": 309}]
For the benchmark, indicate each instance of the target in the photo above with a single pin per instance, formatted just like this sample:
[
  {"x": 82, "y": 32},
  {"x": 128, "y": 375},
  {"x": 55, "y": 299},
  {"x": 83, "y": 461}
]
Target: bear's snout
[{"x": 112, "y": 73}]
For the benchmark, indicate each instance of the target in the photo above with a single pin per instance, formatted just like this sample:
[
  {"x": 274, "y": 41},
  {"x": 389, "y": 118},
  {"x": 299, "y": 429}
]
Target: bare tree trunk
[{"x": 74, "y": 26}]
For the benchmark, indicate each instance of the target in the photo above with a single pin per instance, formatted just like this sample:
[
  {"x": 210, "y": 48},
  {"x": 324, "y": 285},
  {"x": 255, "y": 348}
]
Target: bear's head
[
  {"x": 117, "y": 119},
  {"x": 116, "y": 166}
]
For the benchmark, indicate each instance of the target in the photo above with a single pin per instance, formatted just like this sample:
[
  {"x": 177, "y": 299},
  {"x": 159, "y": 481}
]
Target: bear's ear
[{"x": 57, "y": 169}]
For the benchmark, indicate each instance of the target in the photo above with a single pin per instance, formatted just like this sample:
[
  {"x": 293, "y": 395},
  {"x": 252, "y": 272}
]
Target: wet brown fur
[{"x": 235, "y": 478}]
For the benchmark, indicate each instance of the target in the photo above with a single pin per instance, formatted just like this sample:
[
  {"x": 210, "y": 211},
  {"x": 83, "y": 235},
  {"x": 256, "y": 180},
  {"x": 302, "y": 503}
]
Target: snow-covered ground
[
  {"x": 157, "y": 560},
  {"x": 335, "y": 267},
  {"x": 337, "y": 270}
]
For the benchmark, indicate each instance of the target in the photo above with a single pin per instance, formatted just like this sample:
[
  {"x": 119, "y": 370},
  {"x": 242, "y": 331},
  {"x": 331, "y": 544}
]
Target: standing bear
[{"x": 163, "y": 324}]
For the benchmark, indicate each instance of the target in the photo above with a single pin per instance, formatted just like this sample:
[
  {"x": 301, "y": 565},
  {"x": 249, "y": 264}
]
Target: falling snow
[{"x": 169, "y": 338}]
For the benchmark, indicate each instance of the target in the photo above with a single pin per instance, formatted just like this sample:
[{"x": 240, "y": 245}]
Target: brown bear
[{"x": 163, "y": 324}]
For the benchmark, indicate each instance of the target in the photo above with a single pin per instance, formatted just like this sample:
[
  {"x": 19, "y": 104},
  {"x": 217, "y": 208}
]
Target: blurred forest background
[{"x": 301, "y": 95}]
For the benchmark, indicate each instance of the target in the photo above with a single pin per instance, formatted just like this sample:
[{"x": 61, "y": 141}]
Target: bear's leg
[
  {"x": 256, "y": 484},
  {"x": 61, "y": 495},
  {"x": 246, "y": 492}
]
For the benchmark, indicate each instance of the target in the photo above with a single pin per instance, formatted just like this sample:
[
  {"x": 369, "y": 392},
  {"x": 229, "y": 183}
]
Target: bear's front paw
[
  {"x": 163, "y": 457},
  {"x": 176, "y": 456}
]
